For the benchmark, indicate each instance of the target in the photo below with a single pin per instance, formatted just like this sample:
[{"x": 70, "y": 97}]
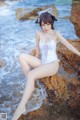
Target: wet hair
[{"x": 46, "y": 18}]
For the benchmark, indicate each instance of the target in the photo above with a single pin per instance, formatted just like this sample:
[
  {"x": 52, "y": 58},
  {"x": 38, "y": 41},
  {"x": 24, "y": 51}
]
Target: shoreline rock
[
  {"x": 3, "y": 4},
  {"x": 2, "y": 63},
  {"x": 75, "y": 17},
  {"x": 62, "y": 89},
  {"x": 29, "y": 13}
]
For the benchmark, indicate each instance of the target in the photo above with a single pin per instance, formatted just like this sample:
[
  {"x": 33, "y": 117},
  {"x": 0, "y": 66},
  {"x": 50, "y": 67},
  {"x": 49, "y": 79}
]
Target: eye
[
  {"x": 43, "y": 25},
  {"x": 48, "y": 23}
]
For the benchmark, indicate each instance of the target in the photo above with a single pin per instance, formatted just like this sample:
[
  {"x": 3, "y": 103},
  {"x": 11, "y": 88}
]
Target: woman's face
[{"x": 46, "y": 27}]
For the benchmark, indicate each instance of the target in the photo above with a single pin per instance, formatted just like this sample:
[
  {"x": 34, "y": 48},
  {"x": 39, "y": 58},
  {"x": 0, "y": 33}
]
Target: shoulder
[
  {"x": 38, "y": 32},
  {"x": 57, "y": 33},
  {"x": 38, "y": 35},
  {"x": 58, "y": 36}
]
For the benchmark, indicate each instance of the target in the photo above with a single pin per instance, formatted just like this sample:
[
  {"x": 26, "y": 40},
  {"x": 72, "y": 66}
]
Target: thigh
[
  {"x": 45, "y": 70},
  {"x": 31, "y": 60}
]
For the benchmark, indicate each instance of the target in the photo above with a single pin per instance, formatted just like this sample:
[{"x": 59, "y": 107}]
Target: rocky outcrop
[
  {"x": 25, "y": 14},
  {"x": 63, "y": 89},
  {"x": 2, "y": 63},
  {"x": 69, "y": 67},
  {"x": 75, "y": 17},
  {"x": 3, "y": 4}
]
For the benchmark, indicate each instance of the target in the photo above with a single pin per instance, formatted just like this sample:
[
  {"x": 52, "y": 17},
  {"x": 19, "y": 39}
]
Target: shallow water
[{"x": 16, "y": 37}]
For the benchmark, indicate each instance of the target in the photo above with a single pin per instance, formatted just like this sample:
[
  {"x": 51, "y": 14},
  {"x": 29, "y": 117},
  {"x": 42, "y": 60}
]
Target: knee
[{"x": 21, "y": 57}]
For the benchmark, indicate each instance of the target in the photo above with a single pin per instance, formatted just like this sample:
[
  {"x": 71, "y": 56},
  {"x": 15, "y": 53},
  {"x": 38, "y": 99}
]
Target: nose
[{"x": 46, "y": 26}]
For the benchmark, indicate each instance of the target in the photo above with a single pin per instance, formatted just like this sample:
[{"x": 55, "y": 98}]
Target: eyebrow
[{"x": 44, "y": 23}]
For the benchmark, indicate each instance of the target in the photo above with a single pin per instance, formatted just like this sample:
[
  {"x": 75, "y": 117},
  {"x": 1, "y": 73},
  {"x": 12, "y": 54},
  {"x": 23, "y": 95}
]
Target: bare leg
[
  {"x": 27, "y": 93},
  {"x": 39, "y": 72},
  {"x": 27, "y": 61}
]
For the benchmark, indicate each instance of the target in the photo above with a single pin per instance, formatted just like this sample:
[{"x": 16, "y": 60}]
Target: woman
[{"x": 46, "y": 43}]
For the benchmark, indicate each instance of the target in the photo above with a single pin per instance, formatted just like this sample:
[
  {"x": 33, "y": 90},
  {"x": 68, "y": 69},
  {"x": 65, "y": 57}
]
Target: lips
[{"x": 46, "y": 30}]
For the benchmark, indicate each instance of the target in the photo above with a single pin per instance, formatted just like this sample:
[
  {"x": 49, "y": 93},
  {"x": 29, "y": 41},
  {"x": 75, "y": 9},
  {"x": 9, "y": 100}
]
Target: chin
[{"x": 46, "y": 31}]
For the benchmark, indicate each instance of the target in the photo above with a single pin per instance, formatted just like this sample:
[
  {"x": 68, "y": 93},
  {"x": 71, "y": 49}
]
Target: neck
[{"x": 49, "y": 32}]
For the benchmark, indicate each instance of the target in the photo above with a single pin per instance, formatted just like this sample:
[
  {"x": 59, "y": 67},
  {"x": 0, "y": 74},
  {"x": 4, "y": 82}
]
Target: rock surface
[
  {"x": 63, "y": 89},
  {"x": 75, "y": 16},
  {"x": 25, "y": 14},
  {"x": 3, "y": 4},
  {"x": 2, "y": 63}
]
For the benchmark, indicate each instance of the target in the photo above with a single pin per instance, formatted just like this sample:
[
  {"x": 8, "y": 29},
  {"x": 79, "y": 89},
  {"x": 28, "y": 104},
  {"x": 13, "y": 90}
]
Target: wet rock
[
  {"x": 16, "y": 94},
  {"x": 63, "y": 89},
  {"x": 75, "y": 17},
  {"x": 2, "y": 0},
  {"x": 74, "y": 104},
  {"x": 68, "y": 73},
  {"x": 4, "y": 98},
  {"x": 70, "y": 61},
  {"x": 66, "y": 17},
  {"x": 2, "y": 63},
  {"x": 25, "y": 14},
  {"x": 49, "y": 112},
  {"x": 2, "y": 4}
]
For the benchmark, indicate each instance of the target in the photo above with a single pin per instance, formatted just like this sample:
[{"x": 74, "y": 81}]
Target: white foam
[
  {"x": 11, "y": 2},
  {"x": 4, "y": 11}
]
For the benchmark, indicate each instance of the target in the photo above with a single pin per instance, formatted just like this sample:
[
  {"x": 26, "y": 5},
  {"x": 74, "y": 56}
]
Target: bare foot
[{"x": 18, "y": 113}]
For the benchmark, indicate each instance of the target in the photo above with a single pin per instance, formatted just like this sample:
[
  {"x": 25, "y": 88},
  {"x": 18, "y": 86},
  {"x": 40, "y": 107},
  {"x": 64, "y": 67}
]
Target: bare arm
[
  {"x": 37, "y": 45},
  {"x": 67, "y": 44}
]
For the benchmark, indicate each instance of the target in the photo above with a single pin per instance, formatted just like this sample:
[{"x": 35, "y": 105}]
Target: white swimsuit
[{"x": 48, "y": 51}]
